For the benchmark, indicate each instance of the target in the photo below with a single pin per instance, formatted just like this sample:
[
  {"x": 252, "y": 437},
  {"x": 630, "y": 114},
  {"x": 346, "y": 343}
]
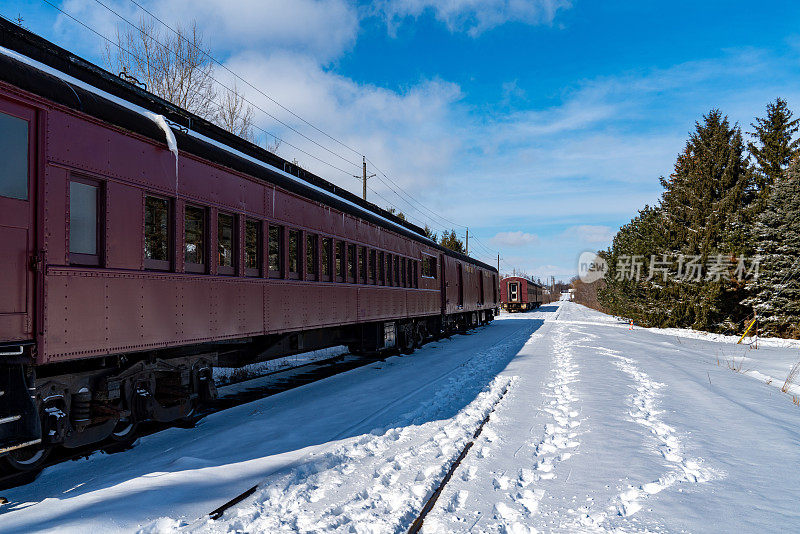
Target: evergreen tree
[
  {"x": 774, "y": 148},
  {"x": 450, "y": 240},
  {"x": 776, "y": 292},
  {"x": 430, "y": 234},
  {"x": 701, "y": 215},
  {"x": 399, "y": 214}
]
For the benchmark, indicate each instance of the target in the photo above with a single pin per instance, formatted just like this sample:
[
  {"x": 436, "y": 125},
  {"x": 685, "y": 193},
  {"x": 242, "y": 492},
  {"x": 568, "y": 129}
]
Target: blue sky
[{"x": 543, "y": 125}]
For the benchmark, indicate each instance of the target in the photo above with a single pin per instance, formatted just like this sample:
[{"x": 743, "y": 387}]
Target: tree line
[{"x": 723, "y": 242}]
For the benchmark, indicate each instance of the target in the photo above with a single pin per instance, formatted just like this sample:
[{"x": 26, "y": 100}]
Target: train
[
  {"x": 520, "y": 294},
  {"x": 141, "y": 246}
]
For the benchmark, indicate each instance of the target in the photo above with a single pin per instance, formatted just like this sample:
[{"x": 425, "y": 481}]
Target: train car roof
[
  {"x": 40, "y": 67},
  {"x": 522, "y": 278}
]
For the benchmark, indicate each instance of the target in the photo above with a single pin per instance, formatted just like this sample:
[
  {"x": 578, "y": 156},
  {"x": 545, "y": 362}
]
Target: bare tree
[
  {"x": 177, "y": 67},
  {"x": 234, "y": 115},
  {"x": 273, "y": 146}
]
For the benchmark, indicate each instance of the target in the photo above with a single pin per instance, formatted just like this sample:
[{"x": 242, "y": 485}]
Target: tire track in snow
[{"x": 643, "y": 410}]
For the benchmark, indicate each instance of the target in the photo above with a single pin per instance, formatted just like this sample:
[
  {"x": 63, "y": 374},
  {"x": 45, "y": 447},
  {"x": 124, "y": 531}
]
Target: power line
[
  {"x": 215, "y": 80},
  {"x": 132, "y": 25},
  {"x": 415, "y": 200},
  {"x": 429, "y": 214},
  {"x": 271, "y": 99},
  {"x": 246, "y": 82}
]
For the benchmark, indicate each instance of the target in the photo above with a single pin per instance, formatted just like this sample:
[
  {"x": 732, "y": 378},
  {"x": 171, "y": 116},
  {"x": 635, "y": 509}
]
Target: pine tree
[
  {"x": 450, "y": 240},
  {"x": 774, "y": 149},
  {"x": 776, "y": 292},
  {"x": 430, "y": 234},
  {"x": 700, "y": 215}
]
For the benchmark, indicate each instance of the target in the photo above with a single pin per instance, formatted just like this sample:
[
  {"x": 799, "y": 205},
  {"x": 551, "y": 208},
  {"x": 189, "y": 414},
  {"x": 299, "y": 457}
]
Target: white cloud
[
  {"x": 588, "y": 233},
  {"x": 514, "y": 239},
  {"x": 408, "y": 133},
  {"x": 323, "y": 29},
  {"x": 473, "y": 16}
]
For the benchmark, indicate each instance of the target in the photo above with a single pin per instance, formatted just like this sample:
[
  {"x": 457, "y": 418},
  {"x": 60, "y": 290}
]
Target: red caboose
[{"x": 519, "y": 294}]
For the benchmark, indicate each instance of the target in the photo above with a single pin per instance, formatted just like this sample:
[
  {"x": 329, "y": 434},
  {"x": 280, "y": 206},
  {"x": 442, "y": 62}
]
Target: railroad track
[{"x": 240, "y": 392}]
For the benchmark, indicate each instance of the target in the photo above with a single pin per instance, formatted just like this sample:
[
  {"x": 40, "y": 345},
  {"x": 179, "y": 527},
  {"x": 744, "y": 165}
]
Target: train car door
[
  {"x": 460, "y": 285},
  {"x": 443, "y": 283},
  {"x": 512, "y": 291},
  {"x": 17, "y": 137}
]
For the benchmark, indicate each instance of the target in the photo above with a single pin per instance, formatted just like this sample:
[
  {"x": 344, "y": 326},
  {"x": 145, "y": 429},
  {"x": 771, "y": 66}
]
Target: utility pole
[
  {"x": 498, "y": 264},
  {"x": 467, "y": 241},
  {"x": 364, "y": 177}
]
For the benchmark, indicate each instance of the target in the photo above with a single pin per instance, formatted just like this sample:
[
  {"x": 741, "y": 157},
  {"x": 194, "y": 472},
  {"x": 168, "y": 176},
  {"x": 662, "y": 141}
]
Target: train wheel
[
  {"x": 407, "y": 340},
  {"x": 123, "y": 435},
  {"x": 419, "y": 336},
  {"x": 27, "y": 459}
]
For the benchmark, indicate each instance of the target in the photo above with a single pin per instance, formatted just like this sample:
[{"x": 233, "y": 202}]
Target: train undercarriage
[
  {"x": 512, "y": 307},
  {"x": 104, "y": 400}
]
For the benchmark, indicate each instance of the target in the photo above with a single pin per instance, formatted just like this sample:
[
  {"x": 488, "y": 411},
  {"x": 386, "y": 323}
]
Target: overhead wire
[
  {"x": 390, "y": 184},
  {"x": 426, "y": 214},
  {"x": 276, "y": 119},
  {"x": 75, "y": 19},
  {"x": 271, "y": 99}
]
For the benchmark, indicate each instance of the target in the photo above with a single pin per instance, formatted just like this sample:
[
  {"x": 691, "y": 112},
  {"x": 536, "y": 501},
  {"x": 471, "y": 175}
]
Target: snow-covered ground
[{"x": 592, "y": 427}]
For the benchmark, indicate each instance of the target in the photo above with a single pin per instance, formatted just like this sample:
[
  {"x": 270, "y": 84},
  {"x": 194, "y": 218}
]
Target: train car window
[
  {"x": 428, "y": 266},
  {"x": 362, "y": 264},
  {"x": 311, "y": 256},
  {"x": 195, "y": 239},
  {"x": 327, "y": 253},
  {"x": 84, "y": 222},
  {"x": 381, "y": 269},
  {"x": 339, "y": 261},
  {"x": 416, "y": 275},
  {"x": 294, "y": 253},
  {"x": 372, "y": 266},
  {"x": 252, "y": 247},
  {"x": 389, "y": 271},
  {"x": 14, "y": 163},
  {"x": 396, "y": 270},
  {"x": 275, "y": 251},
  {"x": 403, "y": 277},
  {"x": 157, "y": 239},
  {"x": 410, "y": 271},
  {"x": 351, "y": 263},
  {"x": 226, "y": 244},
  {"x": 480, "y": 287}
]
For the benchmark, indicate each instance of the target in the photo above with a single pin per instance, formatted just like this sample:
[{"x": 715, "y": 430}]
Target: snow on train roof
[{"x": 169, "y": 139}]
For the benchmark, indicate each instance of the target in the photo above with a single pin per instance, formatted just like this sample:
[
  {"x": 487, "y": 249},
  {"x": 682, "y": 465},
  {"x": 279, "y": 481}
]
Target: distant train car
[{"x": 519, "y": 294}]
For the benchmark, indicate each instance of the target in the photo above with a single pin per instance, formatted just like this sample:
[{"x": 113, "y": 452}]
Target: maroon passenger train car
[
  {"x": 519, "y": 294},
  {"x": 127, "y": 274}
]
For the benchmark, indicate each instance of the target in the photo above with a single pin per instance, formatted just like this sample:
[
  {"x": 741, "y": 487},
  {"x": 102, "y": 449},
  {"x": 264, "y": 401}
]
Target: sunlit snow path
[{"x": 609, "y": 429}]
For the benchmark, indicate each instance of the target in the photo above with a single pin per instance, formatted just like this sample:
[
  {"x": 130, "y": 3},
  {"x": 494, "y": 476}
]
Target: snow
[
  {"x": 228, "y": 375},
  {"x": 591, "y": 427},
  {"x": 172, "y": 144}
]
